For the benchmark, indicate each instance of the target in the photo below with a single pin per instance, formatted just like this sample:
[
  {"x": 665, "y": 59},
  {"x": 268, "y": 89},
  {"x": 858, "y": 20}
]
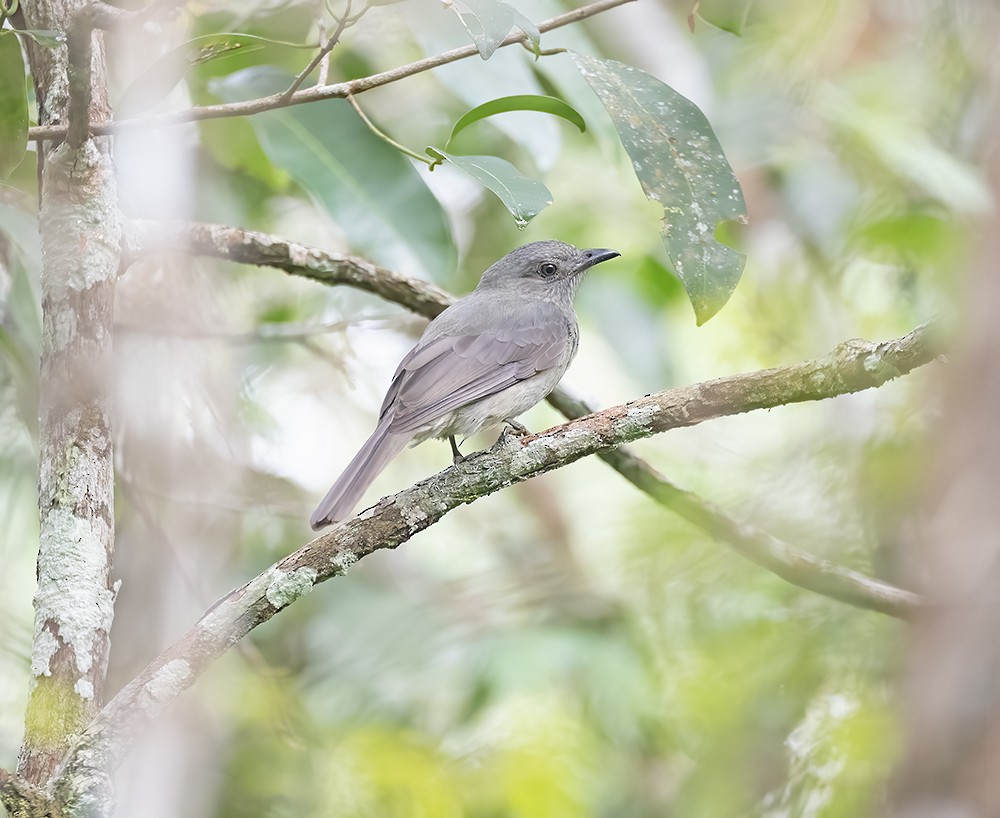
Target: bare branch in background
[
  {"x": 339, "y": 90},
  {"x": 262, "y": 249},
  {"x": 799, "y": 568}
]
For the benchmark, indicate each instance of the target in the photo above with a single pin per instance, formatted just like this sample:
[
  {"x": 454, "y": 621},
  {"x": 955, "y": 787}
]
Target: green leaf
[
  {"x": 46, "y": 38},
  {"x": 490, "y": 21},
  {"x": 525, "y": 198},
  {"x": 507, "y": 73},
  {"x": 13, "y": 105},
  {"x": 162, "y": 76},
  {"x": 371, "y": 190},
  {"x": 520, "y": 102},
  {"x": 680, "y": 164},
  {"x": 729, "y": 15}
]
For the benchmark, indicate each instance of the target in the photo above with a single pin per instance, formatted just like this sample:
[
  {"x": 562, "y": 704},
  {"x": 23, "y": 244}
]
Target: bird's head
[{"x": 543, "y": 267}]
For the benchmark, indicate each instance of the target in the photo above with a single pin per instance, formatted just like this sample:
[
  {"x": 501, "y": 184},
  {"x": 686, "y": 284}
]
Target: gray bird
[{"x": 485, "y": 360}]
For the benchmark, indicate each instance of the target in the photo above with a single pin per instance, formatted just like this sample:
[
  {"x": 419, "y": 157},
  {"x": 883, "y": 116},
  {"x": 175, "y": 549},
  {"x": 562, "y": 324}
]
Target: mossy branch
[{"x": 854, "y": 365}]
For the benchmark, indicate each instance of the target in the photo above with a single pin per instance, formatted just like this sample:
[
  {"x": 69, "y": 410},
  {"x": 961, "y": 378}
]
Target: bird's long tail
[{"x": 340, "y": 500}]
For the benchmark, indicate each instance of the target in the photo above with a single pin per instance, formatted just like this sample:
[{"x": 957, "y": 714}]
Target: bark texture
[{"x": 80, "y": 233}]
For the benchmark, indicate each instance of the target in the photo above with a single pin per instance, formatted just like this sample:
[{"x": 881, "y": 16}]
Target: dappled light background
[{"x": 564, "y": 647}]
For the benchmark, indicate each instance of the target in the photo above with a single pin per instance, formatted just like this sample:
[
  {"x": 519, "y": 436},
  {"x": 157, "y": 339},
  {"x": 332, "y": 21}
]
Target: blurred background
[{"x": 564, "y": 647}]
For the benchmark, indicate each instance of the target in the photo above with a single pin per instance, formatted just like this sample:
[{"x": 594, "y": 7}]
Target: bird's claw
[
  {"x": 515, "y": 428},
  {"x": 511, "y": 430}
]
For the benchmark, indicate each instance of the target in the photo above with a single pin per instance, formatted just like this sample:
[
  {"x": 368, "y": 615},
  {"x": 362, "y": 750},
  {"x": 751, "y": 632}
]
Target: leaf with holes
[
  {"x": 680, "y": 164},
  {"x": 525, "y": 198},
  {"x": 519, "y": 102},
  {"x": 490, "y": 21},
  {"x": 13, "y": 105}
]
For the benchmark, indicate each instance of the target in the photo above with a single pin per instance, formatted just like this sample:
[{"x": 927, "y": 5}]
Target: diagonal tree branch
[
  {"x": 261, "y": 249},
  {"x": 340, "y": 90},
  {"x": 799, "y": 568},
  {"x": 851, "y": 367}
]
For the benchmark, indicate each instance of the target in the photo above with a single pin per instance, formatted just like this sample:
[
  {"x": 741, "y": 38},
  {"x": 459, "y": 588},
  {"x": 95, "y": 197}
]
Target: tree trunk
[
  {"x": 953, "y": 718},
  {"x": 80, "y": 235}
]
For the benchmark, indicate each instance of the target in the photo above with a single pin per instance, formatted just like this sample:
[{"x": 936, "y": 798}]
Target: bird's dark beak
[{"x": 596, "y": 256}]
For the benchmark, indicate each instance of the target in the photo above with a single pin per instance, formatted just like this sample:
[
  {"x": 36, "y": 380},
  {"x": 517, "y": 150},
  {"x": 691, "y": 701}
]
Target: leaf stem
[
  {"x": 541, "y": 52},
  {"x": 385, "y": 137}
]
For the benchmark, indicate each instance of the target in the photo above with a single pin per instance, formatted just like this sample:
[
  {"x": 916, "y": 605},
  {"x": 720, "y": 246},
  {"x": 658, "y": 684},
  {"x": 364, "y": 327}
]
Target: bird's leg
[{"x": 456, "y": 456}]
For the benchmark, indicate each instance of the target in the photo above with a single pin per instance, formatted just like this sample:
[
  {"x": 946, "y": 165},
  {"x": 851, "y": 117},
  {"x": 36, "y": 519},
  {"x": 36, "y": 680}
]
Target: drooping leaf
[
  {"x": 44, "y": 37},
  {"x": 525, "y": 198},
  {"x": 490, "y": 21},
  {"x": 370, "y": 189},
  {"x": 160, "y": 78},
  {"x": 520, "y": 102},
  {"x": 680, "y": 164},
  {"x": 13, "y": 105}
]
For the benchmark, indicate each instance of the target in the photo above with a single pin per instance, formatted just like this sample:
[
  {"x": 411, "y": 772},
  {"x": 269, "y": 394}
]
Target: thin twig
[
  {"x": 324, "y": 63},
  {"x": 316, "y": 93},
  {"x": 342, "y": 24}
]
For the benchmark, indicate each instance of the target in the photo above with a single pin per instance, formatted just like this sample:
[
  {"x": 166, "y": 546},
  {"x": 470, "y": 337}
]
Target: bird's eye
[{"x": 548, "y": 269}]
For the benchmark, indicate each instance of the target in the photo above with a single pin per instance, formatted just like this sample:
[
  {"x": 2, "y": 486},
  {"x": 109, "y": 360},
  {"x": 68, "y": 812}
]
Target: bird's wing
[{"x": 448, "y": 372}]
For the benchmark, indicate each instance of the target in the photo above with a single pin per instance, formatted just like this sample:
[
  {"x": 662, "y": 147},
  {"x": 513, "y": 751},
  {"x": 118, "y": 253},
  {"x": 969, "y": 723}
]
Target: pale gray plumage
[{"x": 485, "y": 360}]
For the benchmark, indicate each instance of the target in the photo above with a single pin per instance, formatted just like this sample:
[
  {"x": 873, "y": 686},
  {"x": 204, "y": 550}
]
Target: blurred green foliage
[{"x": 564, "y": 648}]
